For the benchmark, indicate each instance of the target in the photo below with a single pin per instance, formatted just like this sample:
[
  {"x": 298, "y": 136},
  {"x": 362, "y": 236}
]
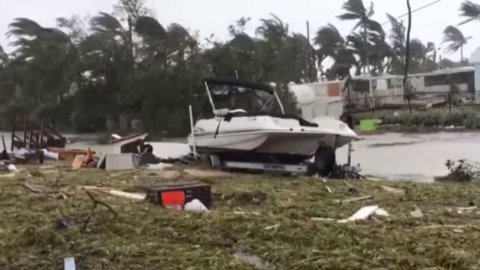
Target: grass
[{"x": 145, "y": 236}]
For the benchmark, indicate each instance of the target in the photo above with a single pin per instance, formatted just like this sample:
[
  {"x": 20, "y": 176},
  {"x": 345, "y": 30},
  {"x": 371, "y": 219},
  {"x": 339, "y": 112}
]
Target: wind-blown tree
[
  {"x": 355, "y": 11},
  {"x": 3, "y": 57},
  {"x": 46, "y": 65},
  {"x": 455, "y": 40},
  {"x": 109, "y": 61},
  {"x": 470, "y": 11},
  {"x": 397, "y": 38},
  {"x": 238, "y": 57},
  {"x": 334, "y": 46},
  {"x": 284, "y": 57}
]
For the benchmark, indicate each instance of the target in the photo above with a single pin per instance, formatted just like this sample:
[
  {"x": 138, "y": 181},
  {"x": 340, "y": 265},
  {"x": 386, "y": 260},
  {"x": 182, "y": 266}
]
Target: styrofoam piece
[
  {"x": 12, "y": 168},
  {"x": 363, "y": 213},
  {"x": 196, "y": 206},
  {"x": 382, "y": 212},
  {"x": 159, "y": 166}
]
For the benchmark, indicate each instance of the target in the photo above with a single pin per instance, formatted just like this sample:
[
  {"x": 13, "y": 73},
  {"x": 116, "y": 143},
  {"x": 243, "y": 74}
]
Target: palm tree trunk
[
  {"x": 407, "y": 53},
  {"x": 461, "y": 54},
  {"x": 365, "y": 37}
]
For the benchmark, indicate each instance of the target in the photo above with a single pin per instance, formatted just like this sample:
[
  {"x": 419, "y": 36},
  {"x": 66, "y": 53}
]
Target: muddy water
[
  {"x": 416, "y": 157},
  {"x": 413, "y": 157}
]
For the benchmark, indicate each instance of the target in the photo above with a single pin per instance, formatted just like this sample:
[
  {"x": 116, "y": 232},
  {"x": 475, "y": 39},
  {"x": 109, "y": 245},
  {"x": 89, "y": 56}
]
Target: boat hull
[
  {"x": 263, "y": 137},
  {"x": 266, "y": 142}
]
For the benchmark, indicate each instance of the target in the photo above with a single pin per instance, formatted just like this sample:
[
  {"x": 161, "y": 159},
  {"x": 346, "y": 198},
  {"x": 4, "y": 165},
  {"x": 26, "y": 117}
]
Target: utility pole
[
  {"x": 407, "y": 46},
  {"x": 406, "y": 85}
]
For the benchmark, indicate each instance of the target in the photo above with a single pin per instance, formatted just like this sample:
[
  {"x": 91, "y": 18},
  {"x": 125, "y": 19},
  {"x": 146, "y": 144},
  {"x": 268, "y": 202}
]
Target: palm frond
[
  {"x": 397, "y": 33},
  {"x": 349, "y": 17},
  {"x": 469, "y": 10},
  {"x": 151, "y": 28},
  {"x": 272, "y": 28},
  {"x": 329, "y": 39},
  {"x": 376, "y": 27},
  {"x": 24, "y": 27},
  {"x": 242, "y": 42},
  {"x": 454, "y": 37},
  {"x": 354, "y": 9},
  {"x": 105, "y": 22}
]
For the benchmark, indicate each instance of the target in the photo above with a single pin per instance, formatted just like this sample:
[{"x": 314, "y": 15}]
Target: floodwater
[
  {"x": 412, "y": 157},
  {"x": 393, "y": 156}
]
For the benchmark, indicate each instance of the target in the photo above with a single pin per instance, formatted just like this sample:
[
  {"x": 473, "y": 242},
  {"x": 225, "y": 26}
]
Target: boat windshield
[{"x": 251, "y": 100}]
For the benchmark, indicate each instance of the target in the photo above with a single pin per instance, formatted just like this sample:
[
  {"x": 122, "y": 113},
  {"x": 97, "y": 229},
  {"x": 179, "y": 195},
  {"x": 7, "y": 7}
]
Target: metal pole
[
  {"x": 192, "y": 128},
  {"x": 279, "y": 101},
  {"x": 309, "y": 63},
  {"x": 210, "y": 98}
]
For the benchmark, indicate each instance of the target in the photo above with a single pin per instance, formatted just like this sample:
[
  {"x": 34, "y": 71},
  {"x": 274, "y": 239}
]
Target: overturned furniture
[
  {"x": 131, "y": 144},
  {"x": 36, "y": 136}
]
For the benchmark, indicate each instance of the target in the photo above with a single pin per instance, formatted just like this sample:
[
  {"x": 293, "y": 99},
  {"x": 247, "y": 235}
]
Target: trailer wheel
[
  {"x": 325, "y": 160},
  {"x": 215, "y": 162}
]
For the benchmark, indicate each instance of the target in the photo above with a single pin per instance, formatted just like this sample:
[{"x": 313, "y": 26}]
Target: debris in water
[
  {"x": 392, "y": 190},
  {"x": 273, "y": 227},
  {"x": 466, "y": 210},
  {"x": 251, "y": 260},
  {"x": 417, "y": 213},
  {"x": 246, "y": 198},
  {"x": 358, "y": 199},
  {"x": 69, "y": 263}
]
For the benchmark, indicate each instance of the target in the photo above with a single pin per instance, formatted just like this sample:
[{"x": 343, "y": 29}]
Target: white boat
[{"x": 248, "y": 123}]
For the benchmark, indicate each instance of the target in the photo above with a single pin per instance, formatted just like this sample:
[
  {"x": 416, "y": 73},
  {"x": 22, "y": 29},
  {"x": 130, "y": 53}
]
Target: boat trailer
[{"x": 307, "y": 168}]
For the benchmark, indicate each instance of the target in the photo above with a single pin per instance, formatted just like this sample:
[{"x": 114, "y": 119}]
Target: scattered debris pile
[{"x": 461, "y": 171}]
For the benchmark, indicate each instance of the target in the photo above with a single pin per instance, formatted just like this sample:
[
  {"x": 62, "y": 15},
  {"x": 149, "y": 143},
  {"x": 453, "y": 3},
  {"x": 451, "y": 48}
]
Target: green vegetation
[
  {"x": 145, "y": 236},
  {"x": 425, "y": 121},
  {"x": 100, "y": 74}
]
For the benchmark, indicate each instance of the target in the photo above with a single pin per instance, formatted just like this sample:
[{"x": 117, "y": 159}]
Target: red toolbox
[{"x": 177, "y": 194}]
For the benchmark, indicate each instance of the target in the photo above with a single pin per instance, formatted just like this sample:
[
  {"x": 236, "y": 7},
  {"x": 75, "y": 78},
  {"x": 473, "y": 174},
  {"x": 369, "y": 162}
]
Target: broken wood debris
[
  {"x": 392, "y": 190},
  {"x": 273, "y": 227},
  {"x": 96, "y": 202},
  {"x": 117, "y": 193},
  {"x": 41, "y": 189},
  {"x": 323, "y": 219},
  {"x": 358, "y": 199}
]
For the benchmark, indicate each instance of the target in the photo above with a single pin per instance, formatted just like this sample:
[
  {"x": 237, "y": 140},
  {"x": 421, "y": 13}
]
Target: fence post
[{"x": 449, "y": 102}]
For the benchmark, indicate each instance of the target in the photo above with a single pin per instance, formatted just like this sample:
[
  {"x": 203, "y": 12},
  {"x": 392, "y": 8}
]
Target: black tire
[{"x": 325, "y": 160}]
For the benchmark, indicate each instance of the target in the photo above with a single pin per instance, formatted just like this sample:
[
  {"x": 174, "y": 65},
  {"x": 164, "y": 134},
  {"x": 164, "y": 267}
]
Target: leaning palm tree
[
  {"x": 355, "y": 11},
  {"x": 470, "y": 11},
  {"x": 329, "y": 40},
  {"x": 397, "y": 42},
  {"x": 272, "y": 29},
  {"x": 455, "y": 39}
]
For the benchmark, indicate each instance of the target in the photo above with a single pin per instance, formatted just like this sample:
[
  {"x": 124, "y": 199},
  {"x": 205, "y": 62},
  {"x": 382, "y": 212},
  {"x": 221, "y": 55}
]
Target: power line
[{"x": 416, "y": 10}]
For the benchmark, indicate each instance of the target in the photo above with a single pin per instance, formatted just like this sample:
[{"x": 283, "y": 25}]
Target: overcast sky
[{"x": 213, "y": 16}]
